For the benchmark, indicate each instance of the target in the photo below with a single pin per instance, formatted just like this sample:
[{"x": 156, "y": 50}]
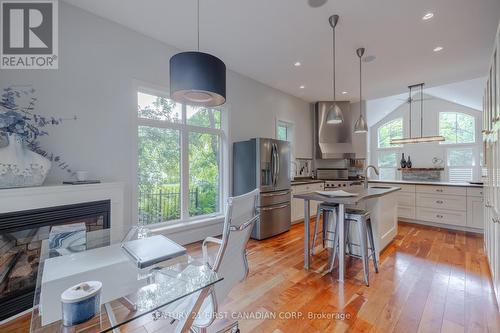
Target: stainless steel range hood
[{"x": 337, "y": 141}]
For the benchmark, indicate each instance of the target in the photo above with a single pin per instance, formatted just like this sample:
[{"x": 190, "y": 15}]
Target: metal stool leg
[
  {"x": 315, "y": 236},
  {"x": 372, "y": 244},
  {"x": 347, "y": 240},
  {"x": 361, "y": 222},
  {"x": 335, "y": 230}
]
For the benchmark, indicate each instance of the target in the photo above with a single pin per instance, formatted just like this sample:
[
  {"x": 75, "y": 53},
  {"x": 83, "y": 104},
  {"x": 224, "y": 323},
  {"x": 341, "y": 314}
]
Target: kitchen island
[{"x": 379, "y": 201}]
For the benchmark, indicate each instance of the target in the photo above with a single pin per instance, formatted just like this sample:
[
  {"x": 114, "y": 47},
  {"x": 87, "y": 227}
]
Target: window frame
[
  {"x": 184, "y": 130},
  {"x": 290, "y": 129},
  {"x": 474, "y": 125},
  {"x": 472, "y": 167},
  {"x": 387, "y": 123},
  {"x": 383, "y": 151}
]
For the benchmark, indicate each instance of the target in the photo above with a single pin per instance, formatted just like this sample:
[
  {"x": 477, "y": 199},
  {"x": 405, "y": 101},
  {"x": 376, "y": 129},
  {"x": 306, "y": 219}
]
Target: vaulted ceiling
[{"x": 263, "y": 39}]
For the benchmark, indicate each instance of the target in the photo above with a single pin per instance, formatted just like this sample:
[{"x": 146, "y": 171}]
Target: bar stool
[
  {"x": 365, "y": 232},
  {"x": 329, "y": 213}
]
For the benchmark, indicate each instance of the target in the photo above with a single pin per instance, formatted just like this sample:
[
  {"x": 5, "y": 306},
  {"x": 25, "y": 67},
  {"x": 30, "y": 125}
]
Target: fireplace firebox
[{"x": 21, "y": 235}]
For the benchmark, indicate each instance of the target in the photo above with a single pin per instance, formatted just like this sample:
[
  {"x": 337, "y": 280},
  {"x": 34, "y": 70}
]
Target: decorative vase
[
  {"x": 408, "y": 162},
  {"x": 21, "y": 167},
  {"x": 403, "y": 162}
]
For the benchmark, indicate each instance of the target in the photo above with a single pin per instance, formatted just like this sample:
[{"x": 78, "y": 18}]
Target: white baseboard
[{"x": 441, "y": 225}]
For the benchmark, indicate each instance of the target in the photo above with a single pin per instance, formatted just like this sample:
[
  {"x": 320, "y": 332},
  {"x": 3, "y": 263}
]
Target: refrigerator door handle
[
  {"x": 273, "y": 167},
  {"x": 277, "y": 163},
  {"x": 274, "y": 207}
]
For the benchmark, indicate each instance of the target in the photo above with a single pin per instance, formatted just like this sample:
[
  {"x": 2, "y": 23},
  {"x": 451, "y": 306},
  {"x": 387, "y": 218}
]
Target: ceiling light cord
[
  {"x": 360, "y": 90},
  {"x": 334, "y": 94},
  {"x": 198, "y": 23},
  {"x": 410, "y": 100},
  {"x": 421, "y": 110}
]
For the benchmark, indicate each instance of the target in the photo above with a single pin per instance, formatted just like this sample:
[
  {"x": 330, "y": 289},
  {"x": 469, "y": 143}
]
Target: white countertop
[{"x": 417, "y": 182}]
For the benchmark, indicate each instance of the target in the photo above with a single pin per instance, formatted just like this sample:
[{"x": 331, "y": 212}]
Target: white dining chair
[{"x": 230, "y": 261}]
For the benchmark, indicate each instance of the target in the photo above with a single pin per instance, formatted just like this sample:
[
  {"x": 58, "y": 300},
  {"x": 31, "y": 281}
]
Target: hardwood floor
[{"x": 430, "y": 280}]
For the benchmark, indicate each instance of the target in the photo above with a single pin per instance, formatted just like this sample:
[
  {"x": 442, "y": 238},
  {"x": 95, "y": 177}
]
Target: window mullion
[{"x": 184, "y": 168}]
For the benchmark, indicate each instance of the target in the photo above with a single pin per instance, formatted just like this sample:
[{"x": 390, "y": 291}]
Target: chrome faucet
[{"x": 366, "y": 173}]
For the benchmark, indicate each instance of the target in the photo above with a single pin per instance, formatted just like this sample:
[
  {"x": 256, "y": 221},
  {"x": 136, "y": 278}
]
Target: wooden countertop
[
  {"x": 363, "y": 194},
  {"x": 416, "y": 182}
]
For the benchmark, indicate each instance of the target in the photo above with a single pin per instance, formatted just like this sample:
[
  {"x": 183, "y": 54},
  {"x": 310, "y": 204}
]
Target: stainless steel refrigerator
[{"x": 265, "y": 164}]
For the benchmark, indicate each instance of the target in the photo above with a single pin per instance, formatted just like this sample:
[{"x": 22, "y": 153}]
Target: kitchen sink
[{"x": 381, "y": 187}]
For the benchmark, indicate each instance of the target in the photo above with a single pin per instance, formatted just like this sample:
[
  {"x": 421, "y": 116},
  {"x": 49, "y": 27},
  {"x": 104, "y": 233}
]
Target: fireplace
[{"x": 21, "y": 235}]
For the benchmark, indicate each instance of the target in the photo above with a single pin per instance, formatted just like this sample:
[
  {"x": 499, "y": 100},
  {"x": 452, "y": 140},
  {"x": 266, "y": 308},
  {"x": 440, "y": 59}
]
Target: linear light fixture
[{"x": 421, "y": 138}]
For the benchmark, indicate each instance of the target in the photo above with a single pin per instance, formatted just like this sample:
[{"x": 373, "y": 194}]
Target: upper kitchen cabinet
[{"x": 338, "y": 141}]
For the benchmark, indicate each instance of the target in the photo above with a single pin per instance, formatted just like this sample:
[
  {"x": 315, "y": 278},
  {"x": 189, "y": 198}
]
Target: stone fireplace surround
[{"x": 62, "y": 201}]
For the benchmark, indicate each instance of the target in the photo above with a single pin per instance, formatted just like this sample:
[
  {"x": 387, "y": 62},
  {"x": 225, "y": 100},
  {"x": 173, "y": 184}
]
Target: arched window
[
  {"x": 457, "y": 127},
  {"x": 389, "y": 131}
]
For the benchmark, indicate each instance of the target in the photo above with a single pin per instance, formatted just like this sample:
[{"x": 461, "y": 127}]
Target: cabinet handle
[
  {"x": 439, "y": 190},
  {"x": 439, "y": 216},
  {"x": 439, "y": 201}
]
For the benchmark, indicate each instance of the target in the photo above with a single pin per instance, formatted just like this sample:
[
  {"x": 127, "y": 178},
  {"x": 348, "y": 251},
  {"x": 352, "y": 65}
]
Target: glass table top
[{"x": 127, "y": 293}]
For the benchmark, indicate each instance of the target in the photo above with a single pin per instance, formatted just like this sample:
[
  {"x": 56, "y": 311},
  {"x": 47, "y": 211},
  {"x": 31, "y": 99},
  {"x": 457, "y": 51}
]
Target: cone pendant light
[
  {"x": 197, "y": 78},
  {"x": 334, "y": 114},
  {"x": 360, "y": 126}
]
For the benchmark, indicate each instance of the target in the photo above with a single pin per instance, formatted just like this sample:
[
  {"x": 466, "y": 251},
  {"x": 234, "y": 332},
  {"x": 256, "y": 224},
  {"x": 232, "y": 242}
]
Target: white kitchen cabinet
[
  {"x": 444, "y": 205},
  {"x": 443, "y": 216},
  {"x": 475, "y": 212},
  {"x": 298, "y": 204},
  {"x": 442, "y": 201}
]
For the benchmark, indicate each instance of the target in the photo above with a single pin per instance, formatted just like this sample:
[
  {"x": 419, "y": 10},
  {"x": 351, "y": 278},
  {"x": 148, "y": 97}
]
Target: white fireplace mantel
[{"x": 26, "y": 198}]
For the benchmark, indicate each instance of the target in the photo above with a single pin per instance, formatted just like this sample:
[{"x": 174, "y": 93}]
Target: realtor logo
[{"x": 28, "y": 35}]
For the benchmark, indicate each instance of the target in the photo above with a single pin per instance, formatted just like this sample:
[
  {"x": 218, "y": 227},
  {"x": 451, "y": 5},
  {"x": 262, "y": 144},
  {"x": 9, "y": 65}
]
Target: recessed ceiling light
[
  {"x": 302, "y": 87},
  {"x": 344, "y": 92},
  {"x": 427, "y": 16},
  {"x": 297, "y": 64},
  {"x": 438, "y": 48},
  {"x": 369, "y": 58}
]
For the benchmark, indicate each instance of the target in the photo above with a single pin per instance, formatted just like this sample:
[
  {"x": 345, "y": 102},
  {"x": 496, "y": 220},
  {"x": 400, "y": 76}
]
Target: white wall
[
  {"x": 423, "y": 153},
  {"x": 99, "y": 64}
]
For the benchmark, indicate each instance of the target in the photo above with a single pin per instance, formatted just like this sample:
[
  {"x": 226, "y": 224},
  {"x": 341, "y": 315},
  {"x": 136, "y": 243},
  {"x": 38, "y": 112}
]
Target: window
[
  {"x": 179, "y": 160},
  {"x": 284, "y": 131},
  {"x": 457, "y": 127},
  {"x": 387, "y": 164},
  {"x": 461, "y": 163},
  {"x": 389, "y": 131}
]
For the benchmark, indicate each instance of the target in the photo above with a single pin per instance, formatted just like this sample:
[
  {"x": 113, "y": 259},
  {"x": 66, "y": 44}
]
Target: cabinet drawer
[
  {"x": 441, "y": 201},
  {"x": 474, "y": 192},
  {"x": 404, "y": 187},
  {"x": 454, "y": 190},
  {"x": 442, "y": 216},
  {"x": 271, "y": 198},
  {"x": 406, "y": 211},
  {"x": 406, "y": 199},
  {"x": 297, "y": 189}
]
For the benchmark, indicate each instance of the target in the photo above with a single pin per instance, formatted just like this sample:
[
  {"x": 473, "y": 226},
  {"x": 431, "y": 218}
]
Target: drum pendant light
[
  {"x": 197, "y": 78},
  {"x": 360, "y": 126},
  {"x": 334, "y": 114}
]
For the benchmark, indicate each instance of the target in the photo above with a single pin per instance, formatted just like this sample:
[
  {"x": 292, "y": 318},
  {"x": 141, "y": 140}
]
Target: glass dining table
[{"x": 128, "y": 293}]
